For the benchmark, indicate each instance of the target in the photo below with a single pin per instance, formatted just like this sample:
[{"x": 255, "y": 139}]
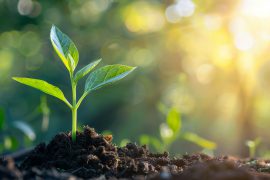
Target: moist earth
[{"x": 94, "y": 156}]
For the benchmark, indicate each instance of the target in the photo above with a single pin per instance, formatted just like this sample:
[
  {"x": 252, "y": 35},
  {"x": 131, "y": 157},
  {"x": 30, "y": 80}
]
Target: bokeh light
[
  {"x": 209, "y": 59},
  {"x": 180, "y": 9}
]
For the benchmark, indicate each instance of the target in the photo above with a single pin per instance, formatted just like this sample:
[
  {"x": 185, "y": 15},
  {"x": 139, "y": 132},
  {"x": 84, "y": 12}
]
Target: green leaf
[
  {"x": 106, "y": 132},
  {"x": 124, "y": 142},
  {"x": 84, "y": 71},
  {"x": 174, "y": 120},
  {"x": 253, "y": 143},
  {"x": 204, "y": 143},
  {"x": 144, "y": 140},
  {"x": 166, "y": 133},
  {"x": 43, "y": 86},
  {"x": 65, "y": 48},
  {"x": 26, "y": 129},
  {"x": 11, "y": 143},
  {"x": 106, "y": 75}
]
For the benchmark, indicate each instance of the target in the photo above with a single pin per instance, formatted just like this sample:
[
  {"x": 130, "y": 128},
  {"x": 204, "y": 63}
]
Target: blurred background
[{"x": 207, "y": 59}]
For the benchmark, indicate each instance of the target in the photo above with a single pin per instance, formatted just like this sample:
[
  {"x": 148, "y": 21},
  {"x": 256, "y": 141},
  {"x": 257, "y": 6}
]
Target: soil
[{"x": 94, "y": 156}]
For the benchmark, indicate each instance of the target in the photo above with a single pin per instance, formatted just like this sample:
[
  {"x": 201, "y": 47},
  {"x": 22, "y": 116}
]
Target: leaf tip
[
  {"x": 52, "y": 28},
  {"x": 15, "y": 78},
  {"x": 53, "y": 32},
  {"x": 100, "y": 59},
  {"x": 133, "y": 68}
]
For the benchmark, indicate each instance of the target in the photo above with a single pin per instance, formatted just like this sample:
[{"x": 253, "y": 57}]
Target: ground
[{"x": 94, "y": 156}]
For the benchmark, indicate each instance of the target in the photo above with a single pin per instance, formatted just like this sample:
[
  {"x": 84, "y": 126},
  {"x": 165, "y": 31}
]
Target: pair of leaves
[
  {"x": 99, "y": 78},
  {"x": 68, "y": 53},
  {"x": 174, "y": 122}
]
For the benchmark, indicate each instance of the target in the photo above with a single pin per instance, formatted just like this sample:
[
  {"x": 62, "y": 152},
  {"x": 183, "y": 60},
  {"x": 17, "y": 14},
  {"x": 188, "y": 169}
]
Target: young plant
[
  {"x": 13, "y": 133},
  {"x": 252, "y": 146},
  {"x": 68, "y": 53},
  {"x": 171, "y": 131}
]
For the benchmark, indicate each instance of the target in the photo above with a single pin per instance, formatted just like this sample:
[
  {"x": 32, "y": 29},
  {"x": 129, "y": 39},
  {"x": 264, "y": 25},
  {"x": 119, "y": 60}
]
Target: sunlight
[
  {"x": 248, "y": 27},
  {"x": 243, "y": 41},
  {"x": 249, "y": 30},
  {"x": 258, "y": 8},
  {"x": 223, "y": 56},
  {"x": 140, "y": 17},
  {"x": 181, "y": 8}
]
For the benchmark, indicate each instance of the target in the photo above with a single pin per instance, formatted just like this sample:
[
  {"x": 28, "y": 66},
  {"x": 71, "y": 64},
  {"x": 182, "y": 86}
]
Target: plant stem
[
  {"x": 74, "y": 123},
  {"x": 74, "y": 110}
]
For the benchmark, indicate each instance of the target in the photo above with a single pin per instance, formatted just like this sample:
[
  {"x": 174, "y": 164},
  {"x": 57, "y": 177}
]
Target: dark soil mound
[{"x": 94, "y": 156}]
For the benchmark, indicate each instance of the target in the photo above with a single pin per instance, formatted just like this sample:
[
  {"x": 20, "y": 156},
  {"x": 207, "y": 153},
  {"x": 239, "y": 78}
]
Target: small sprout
[
  {"x": 174, "y": 121},
  {"x": 10, "y": 143},
  {"x": 124, "y": 142},
  {"x": 166, "y": 133},
  {"x": 252, "y": 146},
  {"x": 69, "y": 55},
  {"x": 171, "y": 131},
  {"x": 11, "y": 138}
]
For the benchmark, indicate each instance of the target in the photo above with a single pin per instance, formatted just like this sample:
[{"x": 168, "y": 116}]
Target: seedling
[
  {"x": 10, "y": 137},
  {"x": 171, "y": 131},
  {"x": 252, "y": 146},
  {"x": 69, "y": 55}
]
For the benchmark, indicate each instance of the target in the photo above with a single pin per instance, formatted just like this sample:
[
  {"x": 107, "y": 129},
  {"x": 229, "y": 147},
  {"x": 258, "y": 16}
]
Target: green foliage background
[{"x": 195, "y": 63}]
